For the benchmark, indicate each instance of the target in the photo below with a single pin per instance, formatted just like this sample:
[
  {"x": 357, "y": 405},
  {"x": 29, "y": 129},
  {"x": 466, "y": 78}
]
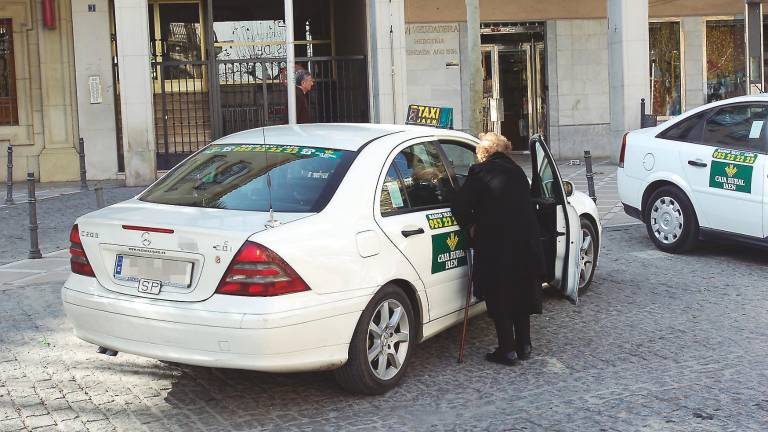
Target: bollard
[
  {"x": 9, "y": 177},
  {"x": 590, "y": 175},
  {"x": 34, "y": 247},
  {"x": 83, "y": 183},
  {"x": 99, "y": 196}
]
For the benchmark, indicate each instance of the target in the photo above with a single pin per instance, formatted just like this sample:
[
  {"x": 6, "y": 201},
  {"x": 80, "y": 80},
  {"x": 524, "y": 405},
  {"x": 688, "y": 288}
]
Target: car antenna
[{"x": 272, "y": 223}]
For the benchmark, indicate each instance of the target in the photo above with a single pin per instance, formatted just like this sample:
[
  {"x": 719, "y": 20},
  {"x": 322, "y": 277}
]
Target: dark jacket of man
[
  {"x": 303, "y": 114},
  {"x": 496, "y": 199}
]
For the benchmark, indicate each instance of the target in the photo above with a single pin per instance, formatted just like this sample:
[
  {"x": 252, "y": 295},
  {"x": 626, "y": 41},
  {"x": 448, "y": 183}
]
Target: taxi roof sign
[{"x": 424, "y": 115}]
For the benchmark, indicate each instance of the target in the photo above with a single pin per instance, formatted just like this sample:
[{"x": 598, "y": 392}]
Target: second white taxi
[
  {"x": 701, "y": 175},
  {"x": 303, "y": 248}
]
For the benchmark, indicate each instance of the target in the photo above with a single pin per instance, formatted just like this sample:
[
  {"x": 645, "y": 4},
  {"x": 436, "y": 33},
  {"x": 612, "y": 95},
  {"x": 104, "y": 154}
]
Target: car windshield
[{"x": 254, "y": 177}]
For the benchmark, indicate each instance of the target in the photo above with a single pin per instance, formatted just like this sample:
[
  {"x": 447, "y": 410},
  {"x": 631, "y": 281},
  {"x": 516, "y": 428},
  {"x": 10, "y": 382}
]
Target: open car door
[{"x": 558, "y": 220}]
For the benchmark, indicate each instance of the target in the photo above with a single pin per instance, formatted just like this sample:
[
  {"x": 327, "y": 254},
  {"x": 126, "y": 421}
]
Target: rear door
[
  {"x": 724, "y": 168},
  {"x": 558, "y": 220},
  {"x": 413, "y": 209}
]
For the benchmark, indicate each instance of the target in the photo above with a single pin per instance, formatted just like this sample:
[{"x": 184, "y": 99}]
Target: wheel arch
[
  {"x": 658, "y": 184},
  {"x": 413, "y": 295}
]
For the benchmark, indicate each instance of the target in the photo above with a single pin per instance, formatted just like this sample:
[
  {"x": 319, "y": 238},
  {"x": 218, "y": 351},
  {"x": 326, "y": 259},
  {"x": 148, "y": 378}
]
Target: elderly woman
[{"x": 494, "y": 206}]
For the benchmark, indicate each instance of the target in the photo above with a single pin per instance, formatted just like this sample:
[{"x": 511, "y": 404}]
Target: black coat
[
  {"x": 303, "y": 113},
  {"x": 509, "y": 261}
]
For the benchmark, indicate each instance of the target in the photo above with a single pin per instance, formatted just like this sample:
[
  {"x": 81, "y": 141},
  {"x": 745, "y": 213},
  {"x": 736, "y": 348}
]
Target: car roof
[{"x": 341, "y": 136}]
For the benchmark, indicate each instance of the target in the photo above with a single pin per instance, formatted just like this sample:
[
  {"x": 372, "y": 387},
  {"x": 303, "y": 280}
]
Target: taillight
[
  {"x": 623, "y": 150},
  {"x": 78, "y": 260},
  {"x": 259, "y": 272}
]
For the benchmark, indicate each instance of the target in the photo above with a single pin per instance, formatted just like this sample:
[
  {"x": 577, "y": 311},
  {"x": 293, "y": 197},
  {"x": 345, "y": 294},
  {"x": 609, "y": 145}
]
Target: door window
[
  {"x": 422, "y": 181},
  {"x": 393, "y": 196},
  {"x": 459, "y": 157},
  {"x": 546, "y": 187},
  {"x": 737, "y": 126},
  {"x": 687, "y": 130}
]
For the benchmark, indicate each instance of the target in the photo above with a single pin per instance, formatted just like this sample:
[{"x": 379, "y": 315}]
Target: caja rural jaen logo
[{"x": 448, "y": 251}]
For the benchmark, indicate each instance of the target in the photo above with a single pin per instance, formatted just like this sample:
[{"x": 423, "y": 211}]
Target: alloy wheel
[
  {"x": 587, "y": 257},
  {"x": 388, "y": 336}
]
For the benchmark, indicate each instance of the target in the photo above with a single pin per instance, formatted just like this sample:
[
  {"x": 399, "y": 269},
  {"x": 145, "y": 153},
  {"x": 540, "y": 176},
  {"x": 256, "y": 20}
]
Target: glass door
[{"x": 514, "y": 92}]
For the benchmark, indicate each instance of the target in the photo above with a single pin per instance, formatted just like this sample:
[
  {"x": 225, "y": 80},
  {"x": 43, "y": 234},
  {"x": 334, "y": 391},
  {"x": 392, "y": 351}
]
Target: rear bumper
[{"x": 316, "y": 340}]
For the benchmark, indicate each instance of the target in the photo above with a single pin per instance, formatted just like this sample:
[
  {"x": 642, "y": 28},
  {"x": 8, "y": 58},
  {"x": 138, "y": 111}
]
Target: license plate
[
  {"x": 149, "y": 286},
  {"x": 170, "y": 273}
]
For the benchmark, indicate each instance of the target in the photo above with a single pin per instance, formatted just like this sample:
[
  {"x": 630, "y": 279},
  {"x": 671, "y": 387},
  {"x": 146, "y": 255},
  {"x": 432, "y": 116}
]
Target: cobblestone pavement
[
  {"x": 660, "y": 343},
  {"x": 55, "y": 214}
]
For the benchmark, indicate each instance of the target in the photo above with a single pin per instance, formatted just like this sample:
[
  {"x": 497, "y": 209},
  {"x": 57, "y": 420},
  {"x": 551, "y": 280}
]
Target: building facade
[
  {"x": 147, "y": 82},
  {"x": 38, "y": 101},
  {"x": 571, "y": 69}
]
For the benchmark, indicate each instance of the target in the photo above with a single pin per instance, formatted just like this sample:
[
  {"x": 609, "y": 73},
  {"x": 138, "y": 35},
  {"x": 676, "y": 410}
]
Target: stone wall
[{"x": 579, "y": 107}]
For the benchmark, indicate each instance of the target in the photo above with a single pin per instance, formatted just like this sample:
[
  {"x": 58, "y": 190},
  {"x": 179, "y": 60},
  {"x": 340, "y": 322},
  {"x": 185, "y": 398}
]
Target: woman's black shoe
[
  {"x": 507, "y": 359},
  {"x": 524, "y": 353}
]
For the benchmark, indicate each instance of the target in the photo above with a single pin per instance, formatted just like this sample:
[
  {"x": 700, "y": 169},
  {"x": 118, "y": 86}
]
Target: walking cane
[{"x": 466, "y": 308}]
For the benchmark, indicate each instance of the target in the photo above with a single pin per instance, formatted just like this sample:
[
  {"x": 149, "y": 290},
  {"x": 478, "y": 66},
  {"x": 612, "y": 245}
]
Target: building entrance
[
  {"x": 514, "y": 89},
  {"x": 220, "y": 67}
]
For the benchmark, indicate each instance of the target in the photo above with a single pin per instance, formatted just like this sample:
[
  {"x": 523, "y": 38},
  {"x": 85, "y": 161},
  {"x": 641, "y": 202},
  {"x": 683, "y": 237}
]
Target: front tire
[
  {"x": 590, "y": 247},
  {"x": 381, "y": 344},
  {"x": 670, "y": 220}
]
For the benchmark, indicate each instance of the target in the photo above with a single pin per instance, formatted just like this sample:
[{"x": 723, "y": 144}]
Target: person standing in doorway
[
  {"x": 304, "y": 83},
  {"x": 494, "y": 207}
]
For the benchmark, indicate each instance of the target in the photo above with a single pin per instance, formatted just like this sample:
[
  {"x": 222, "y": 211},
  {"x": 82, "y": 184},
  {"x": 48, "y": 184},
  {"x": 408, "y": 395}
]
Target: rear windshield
[{"x": 254, "y": 177}]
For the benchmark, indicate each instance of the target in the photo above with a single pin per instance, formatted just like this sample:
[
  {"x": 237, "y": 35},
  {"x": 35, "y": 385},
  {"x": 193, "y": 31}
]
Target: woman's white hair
[{"x": 491, "y": 143}]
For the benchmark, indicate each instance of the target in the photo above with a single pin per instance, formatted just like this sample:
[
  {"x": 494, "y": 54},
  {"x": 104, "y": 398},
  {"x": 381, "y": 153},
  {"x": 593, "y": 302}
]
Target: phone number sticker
[
  {"x": 441, "y": 220},
  {"x": 736, "y": 156},
  {"x": 266, "y": 148}
]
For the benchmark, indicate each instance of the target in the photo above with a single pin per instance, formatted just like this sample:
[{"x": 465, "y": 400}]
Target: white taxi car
[
  {"x": 302, "y": 248},
  {"x": 700, "y": 175}
]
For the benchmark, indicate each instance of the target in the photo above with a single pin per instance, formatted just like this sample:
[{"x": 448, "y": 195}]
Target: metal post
[
  {"x": 83, "y": 183},
  {"x": 9, "y": 177},
  {"x": 590, "y": 175},
  {"x": 34, "y": 247},
  {"x": 642, "y": 112},
  {"x": 291, "y": 62},
  {"x": 99, "y": 196}
]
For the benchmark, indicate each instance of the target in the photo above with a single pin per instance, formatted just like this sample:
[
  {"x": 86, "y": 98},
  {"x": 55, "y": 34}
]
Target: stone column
[
  {"x": 93, "y": 62},
  {"x": 693, "y": 29},
  {"x": 58, "y": 159},
  {"x": 386, "y": 23},
  {"x": 628, "y": 65},
  {"x": 136, "y": 104}
]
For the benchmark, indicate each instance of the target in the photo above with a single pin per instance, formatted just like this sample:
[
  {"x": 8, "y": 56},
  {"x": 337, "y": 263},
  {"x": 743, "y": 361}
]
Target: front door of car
[
  {"x": 558, "y": 221},
  {"x": 725, "y": 168},
  {"x": 413, "y": 210}
]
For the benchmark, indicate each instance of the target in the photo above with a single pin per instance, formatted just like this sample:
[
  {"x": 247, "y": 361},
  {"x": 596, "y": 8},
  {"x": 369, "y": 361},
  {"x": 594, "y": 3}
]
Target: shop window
[
  {"x": 726, "y": 68},
  {"x": 9, "y": 114},
  {"x": 666, "y": 63}
]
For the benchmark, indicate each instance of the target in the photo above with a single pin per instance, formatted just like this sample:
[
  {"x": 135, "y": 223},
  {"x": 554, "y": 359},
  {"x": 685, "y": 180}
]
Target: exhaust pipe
[{"x": 106, "y": 351}]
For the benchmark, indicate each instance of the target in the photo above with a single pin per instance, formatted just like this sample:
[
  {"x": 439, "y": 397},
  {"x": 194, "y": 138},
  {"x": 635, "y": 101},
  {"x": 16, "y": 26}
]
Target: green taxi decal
[
  {"x": 448, "y": 251},
  {"x": 731, "y": 176},
  {"x": 736, "y": 156},
  {"x": 266, "y": 148},
  {"x": 440, "y": 220}
]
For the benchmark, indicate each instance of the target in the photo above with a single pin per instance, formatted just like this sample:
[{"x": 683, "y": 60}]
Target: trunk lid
[{"x": 186, "y": 249}]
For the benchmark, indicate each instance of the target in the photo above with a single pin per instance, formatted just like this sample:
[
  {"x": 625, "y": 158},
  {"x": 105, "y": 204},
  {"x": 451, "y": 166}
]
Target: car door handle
[
  {"x": 412, "y": 232},
  {"x": 697, "y": 164}
]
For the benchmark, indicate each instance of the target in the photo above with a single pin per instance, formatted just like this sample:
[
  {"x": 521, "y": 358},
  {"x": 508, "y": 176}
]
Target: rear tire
[
  {"x": 670, "y": 220},
  {"x": 381, "y": 345}
]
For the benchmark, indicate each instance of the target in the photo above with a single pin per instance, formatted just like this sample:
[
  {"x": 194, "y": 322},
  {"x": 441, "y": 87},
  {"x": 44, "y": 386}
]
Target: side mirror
[{"x": 568, "y": 187}]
